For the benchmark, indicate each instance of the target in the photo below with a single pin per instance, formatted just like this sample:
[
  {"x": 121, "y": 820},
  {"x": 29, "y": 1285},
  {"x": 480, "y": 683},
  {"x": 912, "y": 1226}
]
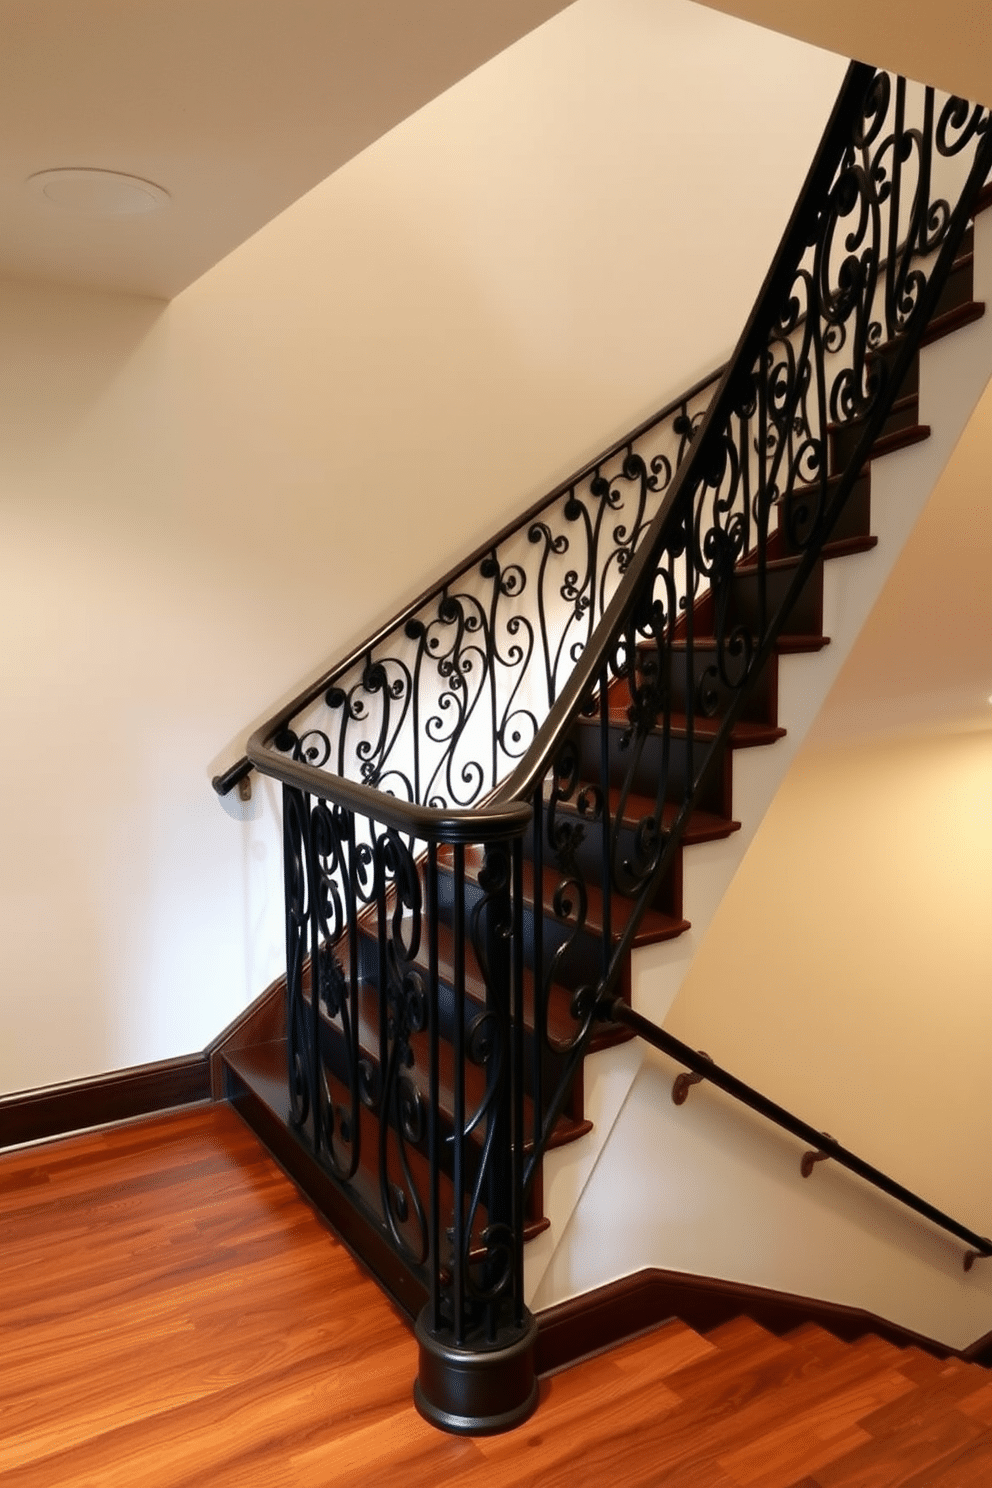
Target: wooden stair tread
[
  {"x": 744, "y": 734},
  {"x": 794, "y": 645},
  {"x": 788, "y": 643},
  {"x": 887, "y": 444},
  {"x": 839, "y": 547},
  {"x": 262, "y": 1069},
  {"x": 703, "y": 826},
  {"x": 953, "y": 320}
]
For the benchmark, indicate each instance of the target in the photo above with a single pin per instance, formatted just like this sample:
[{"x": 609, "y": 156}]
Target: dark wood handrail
[
  {"x": 706, "y": 1069},
  {"x": 489, "y": 822}
]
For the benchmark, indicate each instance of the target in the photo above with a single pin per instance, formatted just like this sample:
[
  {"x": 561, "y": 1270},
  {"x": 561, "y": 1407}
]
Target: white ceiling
[
  {"x": 235, "y": 107},
  {"x": 949, "y": 45}
]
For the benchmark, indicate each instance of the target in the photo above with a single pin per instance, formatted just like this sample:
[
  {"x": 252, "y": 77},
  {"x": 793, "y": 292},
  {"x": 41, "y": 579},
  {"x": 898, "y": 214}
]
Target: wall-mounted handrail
[{"x": 826, "y": 1147}]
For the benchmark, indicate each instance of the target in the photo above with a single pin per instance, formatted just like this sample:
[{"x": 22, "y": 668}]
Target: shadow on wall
[{"x": 60, "y": 349}]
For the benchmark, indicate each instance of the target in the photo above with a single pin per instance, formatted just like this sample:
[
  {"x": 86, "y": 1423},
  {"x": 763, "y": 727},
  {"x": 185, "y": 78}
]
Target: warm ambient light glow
[{"x": 89, "y": 192}]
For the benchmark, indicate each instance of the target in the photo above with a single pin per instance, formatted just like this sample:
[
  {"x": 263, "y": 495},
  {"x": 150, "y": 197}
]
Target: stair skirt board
[
  {"x": 637, "y": 1304},
  {"x": 262, "y": 1021},
  {"x": 954, "y": 372}
]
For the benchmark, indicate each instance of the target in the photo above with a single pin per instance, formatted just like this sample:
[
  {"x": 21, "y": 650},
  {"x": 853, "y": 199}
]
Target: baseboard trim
[
  {"x": 612, "y": 1314},
  {"x": 979, "y": 1352},
  {"x": 120, "y": 1095},
  {"x": 54, "y": 1111}
]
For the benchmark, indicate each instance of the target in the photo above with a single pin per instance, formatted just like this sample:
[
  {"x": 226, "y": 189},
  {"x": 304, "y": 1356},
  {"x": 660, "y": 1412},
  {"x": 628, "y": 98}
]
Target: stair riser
[
  {"x": 853, "y": 522},
  {"x": 960, "y": 286},
  {"x": 589, "y": 857},
  {"x": 643, "y": 762},
  {"x": 844, "y": 441},
  {"x": 710, "y": 692},
  {"x": 744, "y": 601}
]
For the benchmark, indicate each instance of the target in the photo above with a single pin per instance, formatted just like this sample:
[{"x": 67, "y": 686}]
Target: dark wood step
[
  {"x": 333, "y": 1044},
  {"x": 640, "y": 760},
  {"x": 953, "y": 320},
  {"x": 711, "y": 694},
  {"x": 744, "y": 733},
  {"x": 257, "y": 1086}
]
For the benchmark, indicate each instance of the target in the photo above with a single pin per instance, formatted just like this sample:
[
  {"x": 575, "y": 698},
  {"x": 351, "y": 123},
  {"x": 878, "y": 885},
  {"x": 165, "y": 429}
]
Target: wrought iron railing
[{"x": 530, "y": 742}]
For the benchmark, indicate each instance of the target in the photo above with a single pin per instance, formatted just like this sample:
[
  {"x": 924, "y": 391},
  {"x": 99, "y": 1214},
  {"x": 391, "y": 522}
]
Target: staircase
[{"x": 472, "y": 926}]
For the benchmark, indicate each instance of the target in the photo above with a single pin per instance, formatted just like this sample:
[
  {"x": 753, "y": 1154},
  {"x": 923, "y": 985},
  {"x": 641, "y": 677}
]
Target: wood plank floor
[{"x": 173, "y": 1313}]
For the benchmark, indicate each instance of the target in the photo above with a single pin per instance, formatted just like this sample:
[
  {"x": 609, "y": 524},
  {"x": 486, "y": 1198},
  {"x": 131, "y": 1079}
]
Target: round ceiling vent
[{"x": 97, "y": 193}]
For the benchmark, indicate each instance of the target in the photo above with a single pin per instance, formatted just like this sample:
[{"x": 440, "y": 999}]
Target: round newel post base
[{"x": 476, "y": 1391}]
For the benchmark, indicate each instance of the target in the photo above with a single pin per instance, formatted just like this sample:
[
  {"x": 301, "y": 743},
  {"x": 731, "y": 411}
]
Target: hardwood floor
[{"x": 173, "y": 1313}]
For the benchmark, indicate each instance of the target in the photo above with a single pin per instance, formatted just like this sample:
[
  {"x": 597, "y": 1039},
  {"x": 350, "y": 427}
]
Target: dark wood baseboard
[
  {"x": 612, "y": 1314},
  {"x": 979, "y": 1352},
  {"x": 120, "y": 1095}
]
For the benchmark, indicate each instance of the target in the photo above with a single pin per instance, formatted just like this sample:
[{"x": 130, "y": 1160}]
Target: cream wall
[
  {"x": 848, "y": 971},
  {"x": 846, "y": 974},
  {"x": 202, "y": 502}
]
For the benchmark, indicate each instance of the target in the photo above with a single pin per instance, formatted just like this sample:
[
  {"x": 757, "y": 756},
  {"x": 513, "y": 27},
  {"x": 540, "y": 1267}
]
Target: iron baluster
[
  {"x": 433, "y": 1113},
  {"x": 540, "y": 1016},
  {"x": 459, "y": 1244},
  {"x": 518, "y": 1133}
]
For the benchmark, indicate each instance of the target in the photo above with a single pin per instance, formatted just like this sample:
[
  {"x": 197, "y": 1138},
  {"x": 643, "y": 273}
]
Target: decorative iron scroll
[{"x": 354, "y": 912}]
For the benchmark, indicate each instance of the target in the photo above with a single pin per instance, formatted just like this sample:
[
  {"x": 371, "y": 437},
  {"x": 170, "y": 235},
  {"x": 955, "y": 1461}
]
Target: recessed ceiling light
[{"x": 97, "y": 193}]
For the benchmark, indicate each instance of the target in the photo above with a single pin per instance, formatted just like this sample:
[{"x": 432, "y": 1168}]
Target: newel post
[{"x": 476, "y": 1337}]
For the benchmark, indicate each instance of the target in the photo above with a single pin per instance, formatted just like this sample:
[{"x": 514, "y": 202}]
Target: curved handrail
[{"x": 489, "y": 822}]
